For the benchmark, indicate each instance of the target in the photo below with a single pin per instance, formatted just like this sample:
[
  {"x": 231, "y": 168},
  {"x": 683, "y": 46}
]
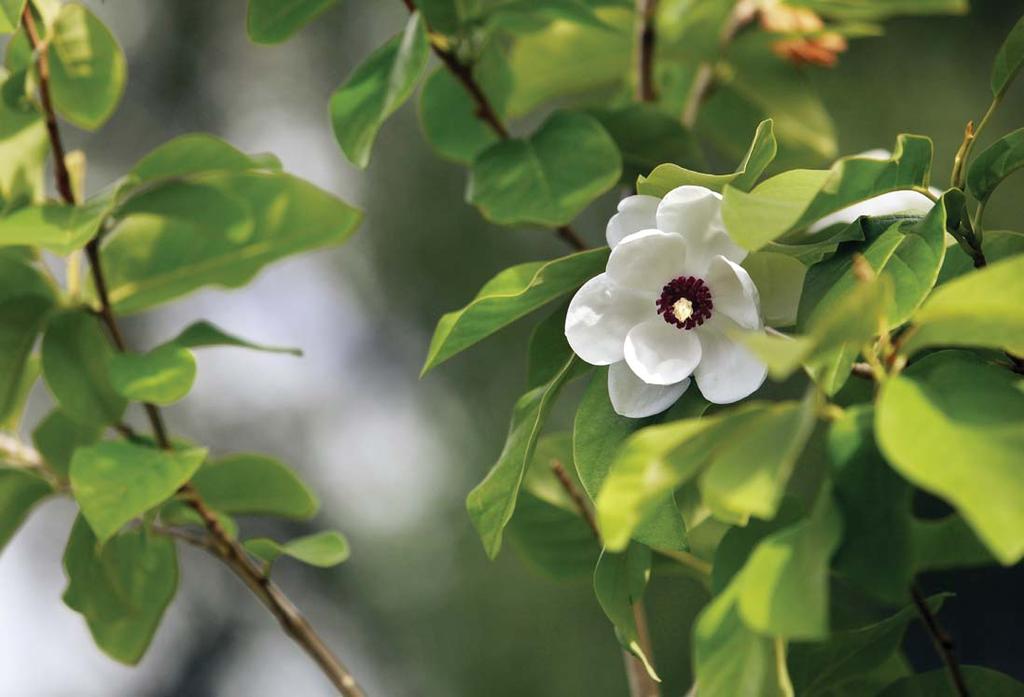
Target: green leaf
[
  {"x": 21, "y": 319},
  {"x": 566, "y": 59},
  {"x": 646, "y": 137},
  {"x": 979, "y": 680},
  {"x": 322, "y": 549},
  {"x": 58, "y": 436},
  {"x": 999, "y": 244},
  {"x": 794, "y": 200},
  {"x": 20, "y": 491},
  {"x": 666, "y": 177},
  {"x": 255, "y": 485},
  {"x": 115, "y": 482},
  {"x": 10, "y": 15},
  {"x": 492, "y": 502},
  {"x": 24, "y": 144},
  {"x": 549, "y": 178},
  {"x": 994, "y": 164},
  {"x": 513, "y": 293},
  {"x": 947, "y": 543},
  {"x": 87, "y": 68},
  {"x": 979, "y": 309},
  {"x": 19, "y": 277},
  {"x": 527, "y": 16},
  {"x": 783, "y": 587},
  {"x": 598, "y": 437},
  {"x": 76, "y": 357},
  {"x": 58, "y": 228},
  {"x": 954, "y": 426},
  {"x": 192, "y": 153},
  {"x": 216, "y": 229},
  {"x": 730, "y": 659},
  {"x": 273, "y": 21},
  {"x": 1009, "y": 60},
  {"x": 376, "y": 89},
  {"x": 202, "y": 334},
  {"x": 779, "y": 279},
  {"x": 824, "y": 669},
  {"x": 121, "y": 588},
  {"x": 881, "y": 9},
  {"x": 161, "y": 376},
  {"x": 548, "y": 349},
  {"x": 449, "y": 119},
  {"x": 877, "y": 549},
  {"x": 551, "y": 539},
  {"x": 619, "y": 584},
  {"x": 177, "y": 512}
]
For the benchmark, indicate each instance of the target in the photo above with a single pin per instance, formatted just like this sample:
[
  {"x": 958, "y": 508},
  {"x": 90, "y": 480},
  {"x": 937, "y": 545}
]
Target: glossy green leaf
[
  {"x": 20, "y": 491},
  {"x": 179, "y": 513},
  {"x": 730, "y": 659},
  {"x": 192, "y": 153},
  {"x": 321, "y": 549},
  {"x": 161, "y": 376},
  {"x": 20, "y": 277},
  {"x": 449, "y": 119},
  {"x": 824, "y": 669},
  {"x": 784, "y": 586},
  {"x": 121, "y": 588},
  {"x": 566, "y": 59},
  {"x": 881, "y": 9},
  {"x": 995, "y": 163},
  {"x": 598, "y": 438},
  {"x": 10, "y": 15},
  {"x": 666, "y": 177},
  {"x": 58, "y": 228},
  {"x": 527, "y": 16},
  {"x": 511, "y": 294},
  {"x": 114, "y": 482},
  {"x": 273, "y": 21},
  {"x": 203, "y": 334},
  {"x": 87, "y": 68},
  {"x": 376, "y": 89},
  {"x": 255, "y": 485},
  {"x": 978, "y": 679},
  {"x": 216, "y": 229},
  {"x": 21, "y": 319},
  {"x": 548, "y": 349},
  {"x": 76, "y": 356},
  {"x": 954, "y": 426},
  {"x": 24, "y": 144},
  {"x": 977, "y": 309},
  {"x": 58, "y": 436},
  {"x": 875, "y": 502},
  {"x": 999, "y": 244},
  {"x": 492, "y": 502},
  {"x": 551, "y": 539},
  {"x": 793, "y": 200},
  {"x": 646, "y": 137},
  {"x": 1009, "y": 60},
  {"x": 29, "y": 376},
  {"x": 946, "y": 543},
  {"x": 548, "y": 178},
  {"x": 619, "y": 584},
  {"x": 779, "y": 279}
]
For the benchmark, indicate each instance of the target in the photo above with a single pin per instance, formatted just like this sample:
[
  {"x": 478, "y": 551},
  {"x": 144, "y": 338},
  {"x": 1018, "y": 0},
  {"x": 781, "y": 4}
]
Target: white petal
[
  {"x": 634, "y": 398},
  {"x": 884, "y": 204},
  {"x": 696, "y": 213},
  {"x": 647, "y": 260},
  {"x": 733, "y": 293},
  {"x": 636, "y": 213},
  {"x": 728, "y": 372},
  {"x": 660, "y": 353},
  {"x": 599, "y": 318}
]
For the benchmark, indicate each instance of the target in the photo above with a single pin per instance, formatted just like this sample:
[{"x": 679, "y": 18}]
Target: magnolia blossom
[{"x": 668, "y": 306}]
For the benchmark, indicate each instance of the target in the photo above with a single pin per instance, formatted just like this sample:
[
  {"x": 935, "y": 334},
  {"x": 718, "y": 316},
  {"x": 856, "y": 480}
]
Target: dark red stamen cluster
[{"x": 693, "y": 289}]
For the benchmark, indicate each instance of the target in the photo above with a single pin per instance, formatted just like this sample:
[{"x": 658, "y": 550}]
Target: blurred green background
[{"x": 418, "y": 610}]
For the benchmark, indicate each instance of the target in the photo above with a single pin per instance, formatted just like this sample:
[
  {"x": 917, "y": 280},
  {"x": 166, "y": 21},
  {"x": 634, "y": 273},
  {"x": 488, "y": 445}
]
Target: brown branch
[
  {"x": 943, "y": 642},
  {"x": 485, "y": 111},
  {"x": 646, "y": 38},
  {"x": 222, "y": 544},
  {"x": 641, "y": 684}
]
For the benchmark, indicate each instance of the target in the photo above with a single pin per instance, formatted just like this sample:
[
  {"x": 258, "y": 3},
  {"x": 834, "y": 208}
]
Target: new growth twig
[
  {"x": 221, "y": 543},
  {"x": 485, "y": 111}
]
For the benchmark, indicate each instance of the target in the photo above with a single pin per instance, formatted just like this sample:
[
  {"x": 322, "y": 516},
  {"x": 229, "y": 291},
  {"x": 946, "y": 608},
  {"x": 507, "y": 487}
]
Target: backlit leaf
[
  {"x": 322, "y": 549},
  {"x": 273, "y": 21},
  {"x": 255, "y": 485}
]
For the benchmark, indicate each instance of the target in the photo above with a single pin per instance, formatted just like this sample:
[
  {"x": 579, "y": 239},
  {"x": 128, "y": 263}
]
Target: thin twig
[
  {"x": 646, "y": 38},
  {"x": 863, "y": 371},
  {"x": 577, "y": 498},
  {"x": 485, "y": 111},
  {"x": 943, "y": 642},
  {"x": 222, "y": 544}
]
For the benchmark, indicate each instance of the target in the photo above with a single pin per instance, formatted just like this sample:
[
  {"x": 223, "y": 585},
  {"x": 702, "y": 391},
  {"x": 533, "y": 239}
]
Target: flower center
[{"x": 685, "y": 302}]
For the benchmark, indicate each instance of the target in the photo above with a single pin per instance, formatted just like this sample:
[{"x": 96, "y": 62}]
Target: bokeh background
[{"x": 418, "y": 610}]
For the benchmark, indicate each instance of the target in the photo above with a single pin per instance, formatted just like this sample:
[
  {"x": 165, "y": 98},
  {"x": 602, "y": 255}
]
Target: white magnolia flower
[
  {"x": 883, "y": 204},
  {"x": 667, "y": 305}
]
